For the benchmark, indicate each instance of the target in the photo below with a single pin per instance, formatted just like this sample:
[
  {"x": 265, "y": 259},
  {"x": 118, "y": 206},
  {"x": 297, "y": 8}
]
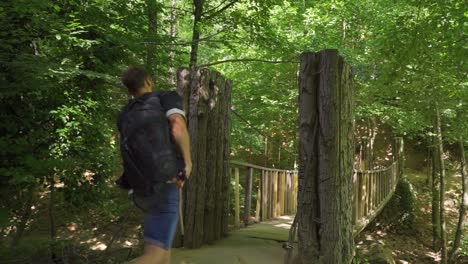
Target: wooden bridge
[
  {"x": 278, "y": 189},
  {"x": 332, "y": 202},
  {"x": 274, "y": 207}
]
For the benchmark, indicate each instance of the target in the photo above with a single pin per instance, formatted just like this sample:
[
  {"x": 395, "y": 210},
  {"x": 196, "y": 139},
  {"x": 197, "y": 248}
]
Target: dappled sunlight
[{"x": 283, "y": 225}]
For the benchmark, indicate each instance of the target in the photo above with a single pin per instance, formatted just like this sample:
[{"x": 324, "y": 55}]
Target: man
[{"x": 160, "y": 203}]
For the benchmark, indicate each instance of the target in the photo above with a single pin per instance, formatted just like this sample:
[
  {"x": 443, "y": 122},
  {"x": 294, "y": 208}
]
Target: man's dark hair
[{"x": 134, "y": 78}]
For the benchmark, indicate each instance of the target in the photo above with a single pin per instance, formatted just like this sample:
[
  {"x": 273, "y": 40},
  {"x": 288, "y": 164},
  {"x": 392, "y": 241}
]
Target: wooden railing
[
  {"x": 372, "y": 190},
  {"x": 276, "y": 193}
]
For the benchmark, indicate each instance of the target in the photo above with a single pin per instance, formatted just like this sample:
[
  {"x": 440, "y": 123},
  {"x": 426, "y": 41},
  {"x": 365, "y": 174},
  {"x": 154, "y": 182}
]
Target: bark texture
[
  {"x": 206, "y": 97},
  {"x": 326, "y": 148}
]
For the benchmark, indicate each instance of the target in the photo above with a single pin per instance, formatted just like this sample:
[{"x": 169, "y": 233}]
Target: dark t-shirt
[
  {"x": 165, "y": 194},
  {"x": 172, "y": 103}
]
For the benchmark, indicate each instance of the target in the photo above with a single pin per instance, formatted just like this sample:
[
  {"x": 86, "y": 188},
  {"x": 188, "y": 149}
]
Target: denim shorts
[{"x": 160, "y": 222}]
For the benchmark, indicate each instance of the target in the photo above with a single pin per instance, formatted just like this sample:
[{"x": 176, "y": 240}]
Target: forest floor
[
  {"x": 90, "y": 238},
  {"x": 413, "y": 244}
]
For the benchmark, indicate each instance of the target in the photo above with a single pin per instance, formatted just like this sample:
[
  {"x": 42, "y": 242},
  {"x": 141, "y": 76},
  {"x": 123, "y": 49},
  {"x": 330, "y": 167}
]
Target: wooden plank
[
  {"x": 264, "y": 194},
  {"x": 286, "y": 195},
  {"x": 247, "y": 195},
  {"x": 236, "y": 199},
  {"x": 275, "y": 194},
  {"x": 259, "y": 195},
  {"x": 295, "y": 187},
  {"x": 271, "y": 203},
  {"x": 360, "y": 196},
  {"x": 355, "y": 193},
  {"x": 364, "y": 195},
  {"x": 282, "y": 190}
]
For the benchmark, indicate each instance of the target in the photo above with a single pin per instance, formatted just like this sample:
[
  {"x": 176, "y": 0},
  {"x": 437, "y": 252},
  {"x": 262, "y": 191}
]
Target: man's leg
[{"x": 153, "y": 255}]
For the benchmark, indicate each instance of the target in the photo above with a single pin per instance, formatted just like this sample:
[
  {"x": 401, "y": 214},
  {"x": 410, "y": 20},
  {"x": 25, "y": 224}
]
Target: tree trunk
[
  {"x": 428, "y": 162},
  {"x": 463, "y": 204},
  {"x": 206, "y": 196},
  {"x": 172, "y": 33},
  {"x": 435, "y": 198},
  {"x": 198, "y": 121},
  {"x": 151, "y": 7},
  {"x": 198, "y": 11},
  {"x": 211, "y": 156},
  {"x": 326, "y": 148},
  {"x": 371, "y": 134},
  {"x": 220, "y": 159},
  {"x": 52, "y": 227},
  {"x": 227, "y": 152},
  {"x": 26, "y": 214},
  {"x": 443, "y": 235}
]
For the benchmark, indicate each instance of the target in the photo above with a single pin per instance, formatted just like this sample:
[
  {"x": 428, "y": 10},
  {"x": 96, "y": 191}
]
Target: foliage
[{"x": 60, "y": 62}]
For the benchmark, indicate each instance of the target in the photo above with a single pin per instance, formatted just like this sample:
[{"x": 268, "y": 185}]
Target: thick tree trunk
[
  {"x": 211, "y": 156},
  {"x": 220, "y": 159},
  {"x": 198, "y": 11},
  {"x": 227, "y": 152},
  {"x": 326, "y": 149},
  {"x": 435, "y": 198},
  {"x": 151, "y": 52},
  {"x": 443, "y": 235},
  {"x": 463, "y": 204},
  {"x": 206, "y": 196},
  {"x": 198, "y": 121}
]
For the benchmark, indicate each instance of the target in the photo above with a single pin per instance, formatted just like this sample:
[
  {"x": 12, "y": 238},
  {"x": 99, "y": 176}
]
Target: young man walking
[{"x": 155, "y": 149}]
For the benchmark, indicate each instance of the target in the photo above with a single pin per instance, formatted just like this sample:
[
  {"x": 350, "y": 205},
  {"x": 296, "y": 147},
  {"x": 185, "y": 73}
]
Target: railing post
[
  {"x": 282, "y": 190},
  {"x": 275, "y": 194},
  {"x": 264, "y": 193},
  {"x": 247, "y": 195},
  {"x": 259, "y": 201},
  {"x": 236, "y": 198}
]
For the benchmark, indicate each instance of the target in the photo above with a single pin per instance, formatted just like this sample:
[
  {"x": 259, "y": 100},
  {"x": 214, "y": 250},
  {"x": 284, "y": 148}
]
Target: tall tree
[
  {"x": 463, "y": 204},
  {"x": 151, "y": 51},
  {"x": 197, "y": 15},
  {"x": 443, "y": 233}
]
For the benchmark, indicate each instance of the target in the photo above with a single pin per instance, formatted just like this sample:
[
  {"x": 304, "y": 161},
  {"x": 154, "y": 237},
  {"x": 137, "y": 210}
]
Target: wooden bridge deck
[{"x": 256, "y": 244}]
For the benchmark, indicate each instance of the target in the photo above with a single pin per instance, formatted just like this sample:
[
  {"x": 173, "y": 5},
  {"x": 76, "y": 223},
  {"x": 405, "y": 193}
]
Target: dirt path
[{"x": 257, "y": 244}]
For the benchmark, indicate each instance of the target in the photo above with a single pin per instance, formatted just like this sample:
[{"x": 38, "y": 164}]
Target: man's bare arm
[{"x": 181, "y": 137}]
